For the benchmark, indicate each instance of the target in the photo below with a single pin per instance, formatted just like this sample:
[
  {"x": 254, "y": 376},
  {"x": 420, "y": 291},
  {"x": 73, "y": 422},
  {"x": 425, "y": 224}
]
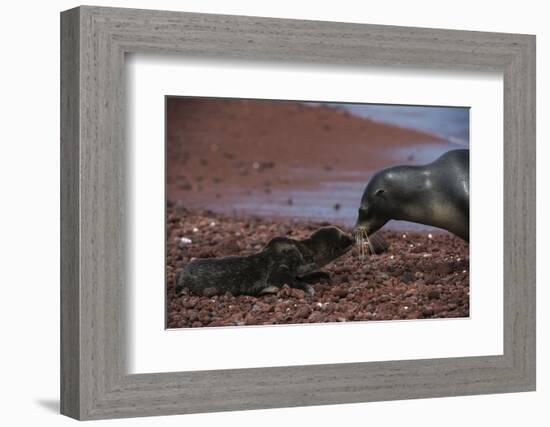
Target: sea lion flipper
[
  {"x": 281, "y": 276},
  {"x": 315, "y": 277},
  {"x": 270, "y": 290},
  {"x": 307, "y": 288}
]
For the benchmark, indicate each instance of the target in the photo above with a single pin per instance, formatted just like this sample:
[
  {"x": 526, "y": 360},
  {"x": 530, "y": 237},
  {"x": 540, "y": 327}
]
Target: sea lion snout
[
  {"x": 347, "y": 241},
  {"x": 371, "y": 215},
  {"x": 329, "y": 243},
  {"x": 367, "y": 225}
]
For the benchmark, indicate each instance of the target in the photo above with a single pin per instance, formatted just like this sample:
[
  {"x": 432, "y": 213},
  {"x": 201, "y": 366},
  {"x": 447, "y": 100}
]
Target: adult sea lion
[
  {"x": 436, "y": 194},
  {"x": 282, "y": 261}
]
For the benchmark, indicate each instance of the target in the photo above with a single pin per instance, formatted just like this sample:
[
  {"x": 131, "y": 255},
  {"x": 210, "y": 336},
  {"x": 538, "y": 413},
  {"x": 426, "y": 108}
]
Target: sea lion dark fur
[
  {"x": 436, "y": 194},
  {"x": 282, "y": 260}
]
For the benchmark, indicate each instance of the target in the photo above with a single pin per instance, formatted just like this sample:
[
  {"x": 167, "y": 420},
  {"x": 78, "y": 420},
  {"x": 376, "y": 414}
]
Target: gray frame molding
[{"x": 94, "y": 383}]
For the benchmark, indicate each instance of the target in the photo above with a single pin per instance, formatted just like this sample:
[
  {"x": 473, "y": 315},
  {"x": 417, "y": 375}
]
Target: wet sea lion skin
[{"x": 436, "y": 194}]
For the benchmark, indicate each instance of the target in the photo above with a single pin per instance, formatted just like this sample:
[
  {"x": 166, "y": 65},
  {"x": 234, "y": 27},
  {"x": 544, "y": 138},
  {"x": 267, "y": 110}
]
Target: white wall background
[{"x": 29, "y": 213}]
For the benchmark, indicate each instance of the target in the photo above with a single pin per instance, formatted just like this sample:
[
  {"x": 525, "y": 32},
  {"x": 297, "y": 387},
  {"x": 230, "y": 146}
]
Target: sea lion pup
[
  {"x": 282, "y": 261},
  {"x": 436, "y": 194}
]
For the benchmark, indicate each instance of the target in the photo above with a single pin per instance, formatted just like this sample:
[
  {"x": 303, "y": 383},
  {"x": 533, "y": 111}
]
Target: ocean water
[
  {"x": 450, "y": 123},
  {"x": 337, "y": 198}
]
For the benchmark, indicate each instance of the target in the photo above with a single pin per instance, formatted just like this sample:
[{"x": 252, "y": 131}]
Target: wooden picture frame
[{"x": 94, "y": 41}]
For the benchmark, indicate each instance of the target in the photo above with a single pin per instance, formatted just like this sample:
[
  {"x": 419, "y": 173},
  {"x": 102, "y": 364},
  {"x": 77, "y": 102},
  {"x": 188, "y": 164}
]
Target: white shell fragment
[{"x": 184, "y": 241}]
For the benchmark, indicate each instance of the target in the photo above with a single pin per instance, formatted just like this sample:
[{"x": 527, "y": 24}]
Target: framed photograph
[
  {"x": 261, "y": 213},
  {"x": 286, "y": 180}
]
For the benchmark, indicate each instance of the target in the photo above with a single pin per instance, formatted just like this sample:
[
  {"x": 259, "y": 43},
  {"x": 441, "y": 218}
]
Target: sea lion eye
[{"x": 379, "y": 192}]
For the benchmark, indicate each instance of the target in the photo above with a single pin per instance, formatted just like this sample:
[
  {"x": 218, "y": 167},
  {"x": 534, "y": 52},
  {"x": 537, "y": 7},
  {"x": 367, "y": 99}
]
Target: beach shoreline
[{"x": 280, "y": 158}]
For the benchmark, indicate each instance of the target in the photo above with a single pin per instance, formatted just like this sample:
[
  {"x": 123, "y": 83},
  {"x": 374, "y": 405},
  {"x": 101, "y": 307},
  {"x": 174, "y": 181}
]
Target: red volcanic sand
[
  {"x": 418, "y": 277},
  {"x": 214, "y": 145}
]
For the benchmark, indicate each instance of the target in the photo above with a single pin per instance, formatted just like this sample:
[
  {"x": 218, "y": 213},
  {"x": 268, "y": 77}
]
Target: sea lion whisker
[
  {"x": 371, "y": 246},
  {"x": 369, "y": 243},
  {"x": 375, "y": 238},
  {"x": 366, "y": 246},
  {"x": 378, "y": 240},
  {"x": 361, "y": 242}
]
